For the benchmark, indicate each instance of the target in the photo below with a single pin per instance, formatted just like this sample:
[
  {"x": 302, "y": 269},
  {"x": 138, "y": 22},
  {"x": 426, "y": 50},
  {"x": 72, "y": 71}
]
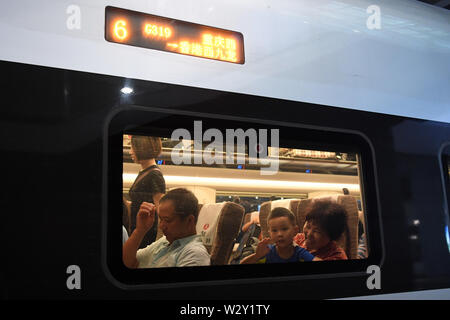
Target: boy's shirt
[{"x": 300, "y": 255}]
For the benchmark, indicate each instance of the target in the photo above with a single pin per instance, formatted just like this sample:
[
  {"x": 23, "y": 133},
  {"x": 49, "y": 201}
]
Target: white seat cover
[{"x": 207, "y": 222}]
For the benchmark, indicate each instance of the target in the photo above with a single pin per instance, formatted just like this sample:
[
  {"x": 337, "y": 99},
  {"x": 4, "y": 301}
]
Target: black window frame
[
  {"x": 130, "y": 119},
  {"x": 444, "y": 158}
]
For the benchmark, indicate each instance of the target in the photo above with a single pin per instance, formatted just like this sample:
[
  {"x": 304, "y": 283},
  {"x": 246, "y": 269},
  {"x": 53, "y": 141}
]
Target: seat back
[
  {"x": 268, "y": 206},
  {"x": 264, "y": 211},
  {"x": 207, "y": 222},
  {"x": 219, "y": 225},
  {"x": 247, "y": 218},
  {"x": 349, "y": 240},
  {"x": 301, "y": 212}
]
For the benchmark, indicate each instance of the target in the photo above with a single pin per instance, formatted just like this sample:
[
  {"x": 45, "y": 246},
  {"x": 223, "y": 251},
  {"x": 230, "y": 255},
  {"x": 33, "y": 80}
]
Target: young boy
[{"x": 282, "y": 230}]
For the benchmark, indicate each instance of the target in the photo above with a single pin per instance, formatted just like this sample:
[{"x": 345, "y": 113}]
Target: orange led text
[
  {"x": 211, "y": 46},
  {"x": 154, "y": 30},
  {"x": 120, "y": 31}
]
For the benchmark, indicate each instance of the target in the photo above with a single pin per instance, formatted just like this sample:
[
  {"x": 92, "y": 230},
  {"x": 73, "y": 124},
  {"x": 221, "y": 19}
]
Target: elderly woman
[
  {"x": 325, "y": 223},
  {"x": 149, "y": 185}
]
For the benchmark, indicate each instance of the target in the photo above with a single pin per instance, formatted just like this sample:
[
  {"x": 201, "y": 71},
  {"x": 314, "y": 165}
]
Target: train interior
[{"x": 231, "y": 194}]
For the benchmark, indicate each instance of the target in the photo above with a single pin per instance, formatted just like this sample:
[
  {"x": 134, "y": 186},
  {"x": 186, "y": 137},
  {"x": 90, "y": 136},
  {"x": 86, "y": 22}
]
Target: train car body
[{"x": 367, "y": 78}]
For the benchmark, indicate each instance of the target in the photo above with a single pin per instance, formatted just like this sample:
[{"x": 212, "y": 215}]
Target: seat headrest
[
  {"x": 285, "y": 203},
  {"x": 207, "y": 221},
  {"x": 333, "y": 198}
]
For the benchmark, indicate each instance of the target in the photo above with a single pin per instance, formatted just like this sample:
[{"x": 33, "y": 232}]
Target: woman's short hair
[
  {"x": 282, "y": 212},
  {"x": 184, "y": 202},
  {"x": 146, "y": 148},
  {"x": 329, "y": 216}
]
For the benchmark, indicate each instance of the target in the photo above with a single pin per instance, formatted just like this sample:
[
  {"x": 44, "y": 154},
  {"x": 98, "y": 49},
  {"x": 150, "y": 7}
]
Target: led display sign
[{"x": 171, "y": 35}]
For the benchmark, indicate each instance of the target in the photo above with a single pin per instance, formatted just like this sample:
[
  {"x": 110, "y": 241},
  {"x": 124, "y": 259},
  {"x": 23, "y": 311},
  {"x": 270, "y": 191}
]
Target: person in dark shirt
[{"x": 149, "y": 185}]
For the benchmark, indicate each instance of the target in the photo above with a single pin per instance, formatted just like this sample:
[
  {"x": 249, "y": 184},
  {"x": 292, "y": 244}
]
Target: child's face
[
  {"x": 316, "y": 237},
  {"x": 282, "y": 231}
]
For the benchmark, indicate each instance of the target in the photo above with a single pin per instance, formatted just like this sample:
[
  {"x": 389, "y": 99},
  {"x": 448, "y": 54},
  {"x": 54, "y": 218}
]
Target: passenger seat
[{"x": 219, "y": 225}]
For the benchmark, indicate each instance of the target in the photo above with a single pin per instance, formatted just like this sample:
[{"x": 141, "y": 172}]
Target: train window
[{"x": 264, "y": 194}]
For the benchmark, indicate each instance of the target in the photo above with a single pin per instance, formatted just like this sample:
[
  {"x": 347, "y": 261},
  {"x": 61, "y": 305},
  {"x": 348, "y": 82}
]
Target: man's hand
[{"x": 145, "y": 217}]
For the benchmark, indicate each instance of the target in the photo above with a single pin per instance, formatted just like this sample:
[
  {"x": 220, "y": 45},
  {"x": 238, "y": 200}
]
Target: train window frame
[
  {"x": 131, "y": 119},
  {"x": 444, "y": 159}
]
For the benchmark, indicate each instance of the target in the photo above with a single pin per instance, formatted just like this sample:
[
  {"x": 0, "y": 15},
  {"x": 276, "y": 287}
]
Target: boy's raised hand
[
  {"x": 145, "y": 217},
  {"x": 263, "y": 248}
]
